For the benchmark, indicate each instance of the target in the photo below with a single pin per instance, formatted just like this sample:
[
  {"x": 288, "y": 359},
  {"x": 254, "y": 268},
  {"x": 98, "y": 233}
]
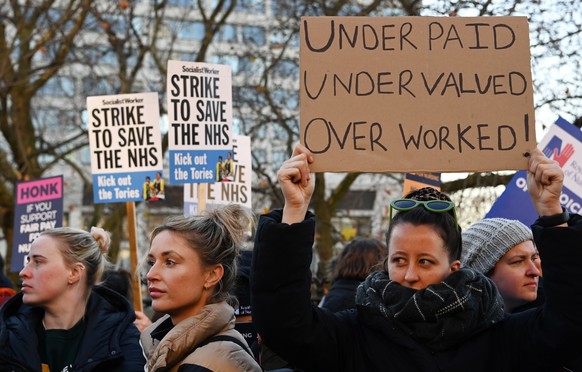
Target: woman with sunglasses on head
[{"x": 422, "y": 312}]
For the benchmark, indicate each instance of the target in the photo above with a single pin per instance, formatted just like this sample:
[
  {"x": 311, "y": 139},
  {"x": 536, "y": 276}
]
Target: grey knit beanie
[{"x": 486, "y": 241}]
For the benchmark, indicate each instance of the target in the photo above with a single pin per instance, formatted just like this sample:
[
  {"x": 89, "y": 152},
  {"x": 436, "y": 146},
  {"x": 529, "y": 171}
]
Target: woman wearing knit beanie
[
  {"x": 503, "y": 250},
  {"x": 422, "y": 311}
]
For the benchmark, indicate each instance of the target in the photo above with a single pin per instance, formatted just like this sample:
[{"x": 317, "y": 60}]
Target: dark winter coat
[
  {"x": 110, "y": 342},
  {"x": 341, "y": 295},
  {"x": 6, "y": 288},
  {"x": 365, "y": 340}
]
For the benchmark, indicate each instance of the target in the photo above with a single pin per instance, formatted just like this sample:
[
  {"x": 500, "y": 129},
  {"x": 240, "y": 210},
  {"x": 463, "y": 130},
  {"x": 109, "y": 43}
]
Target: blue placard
[
  {"x": 39, "y": 207},
  {"x": 563, "y": 143}
]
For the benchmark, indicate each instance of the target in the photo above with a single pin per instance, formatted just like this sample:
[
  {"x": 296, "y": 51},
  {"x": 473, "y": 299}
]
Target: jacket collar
[{"x": 183, "y": 338}]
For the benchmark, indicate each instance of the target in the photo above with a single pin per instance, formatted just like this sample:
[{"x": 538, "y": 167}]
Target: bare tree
[
  {"x": 140, "y": 41},
  {"x": 552, "y": 51},
  {"x": 35, "y": 45},
  {"x": 123, "y": 46},
  {"x": 50, "y": 50}
]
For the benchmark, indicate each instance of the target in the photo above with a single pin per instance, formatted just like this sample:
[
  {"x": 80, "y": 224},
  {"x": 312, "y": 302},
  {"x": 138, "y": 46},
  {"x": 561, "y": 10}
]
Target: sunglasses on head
[{"x": 436, "y": 206}]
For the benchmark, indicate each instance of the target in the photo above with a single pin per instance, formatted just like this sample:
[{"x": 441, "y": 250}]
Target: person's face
[
  {"x": 45, "y": 277},
  {"x": 516, "y": 275},
  {"x": 417, "y": 256},
  {"x": 177, "y": 278}
]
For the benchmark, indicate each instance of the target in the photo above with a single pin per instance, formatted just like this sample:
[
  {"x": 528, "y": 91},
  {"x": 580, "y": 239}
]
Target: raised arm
[
  {"x": 289, "y": 324},
  {"x": 558, "y": 237},
  {"x": 544, "y": 183},
  {"x": 297, "y": 183}
]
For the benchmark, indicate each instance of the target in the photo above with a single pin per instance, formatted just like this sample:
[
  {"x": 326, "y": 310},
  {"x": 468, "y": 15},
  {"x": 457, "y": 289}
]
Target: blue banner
[
  {"x": 200, "y": 166},
  {"x": 127, "y": 187},
  {"x": 563, "y": 143}
]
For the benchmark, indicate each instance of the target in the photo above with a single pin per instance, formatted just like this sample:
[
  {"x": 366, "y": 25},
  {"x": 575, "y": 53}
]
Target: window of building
[
  {"x": 282, "y": 7},
  {"x": 250, "y": 6},
  {"x": 292, "y": 7},
  {"x": 286, "y": 98},
  {"x": 189, "y": 56},
  {"x": 100, "y": 85},
  {"x": 237, "y": 125},
  {"x": 247, "y": 94},
  {"x": 260, "y": 154},
  {"x": 227, "y": 59},
  {"x": 191, "y": 31},
  {"x": 253, "y": 35},
  {"x": 286, "y": 68},
  {"x": 85, "y": 155},
  {"x": 250, "y": 65},
  {"x": 179, "y": 3},
  {"x": 59, "y": 86},
  {"x": 278, "y": 158},
  {"x": 54, "y": 118},
  {"x": 100, "y": 55},
  {"x": 227, "y": 33},
  {"x": 280, "y": 38},
  {"x": 92, "y": 24},
  {"x": 118, "y": 23},
  {"x": 243, "y": 6}
]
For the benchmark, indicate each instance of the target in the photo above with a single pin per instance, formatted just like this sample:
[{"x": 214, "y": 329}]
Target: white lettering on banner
[
  {"x": 571, "y": 205},
  {"x": 565, "y": 200},
  {"x": 521, "y": 183}
]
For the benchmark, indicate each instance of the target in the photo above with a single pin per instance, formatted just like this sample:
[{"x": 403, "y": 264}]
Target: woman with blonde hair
[
  {"x": 192, "y": 270},
  {"x": 61, "y": 321}
]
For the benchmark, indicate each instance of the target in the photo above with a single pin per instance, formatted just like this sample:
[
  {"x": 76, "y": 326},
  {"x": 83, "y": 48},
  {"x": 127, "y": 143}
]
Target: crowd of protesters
[{"x": 498, "y": 296}]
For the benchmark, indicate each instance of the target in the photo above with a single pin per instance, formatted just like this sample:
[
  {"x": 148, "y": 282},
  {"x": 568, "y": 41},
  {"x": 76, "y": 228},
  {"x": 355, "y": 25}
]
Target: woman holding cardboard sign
[{"x": 422, "y": 312}]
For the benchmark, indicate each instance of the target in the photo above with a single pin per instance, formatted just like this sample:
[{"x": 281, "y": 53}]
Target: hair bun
[
  {"x": 426, "y": 194},
  {"x": 102, "y": 238}
]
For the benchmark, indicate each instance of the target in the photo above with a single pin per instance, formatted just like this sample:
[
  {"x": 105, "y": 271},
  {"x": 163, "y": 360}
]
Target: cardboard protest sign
[
  {"x": 416, "y": 94},
  {"x": 563, "y": 143},
  {"x": 234, "y": 187},
  {"x": 200, "y": 120},
  {"x": 39, "y": 207},
  {"x": 126, "y": 145}
]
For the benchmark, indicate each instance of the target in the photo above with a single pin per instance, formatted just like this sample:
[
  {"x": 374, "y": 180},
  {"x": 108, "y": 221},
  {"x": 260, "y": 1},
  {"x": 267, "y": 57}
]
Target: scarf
[{"x": 440, "y": 315}]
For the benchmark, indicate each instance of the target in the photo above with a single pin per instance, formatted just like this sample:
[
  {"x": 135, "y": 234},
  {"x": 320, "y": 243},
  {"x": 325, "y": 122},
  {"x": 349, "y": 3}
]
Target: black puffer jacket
[
  {"x": 110, "y": 343},
  {"x": 341, "y": 295}
]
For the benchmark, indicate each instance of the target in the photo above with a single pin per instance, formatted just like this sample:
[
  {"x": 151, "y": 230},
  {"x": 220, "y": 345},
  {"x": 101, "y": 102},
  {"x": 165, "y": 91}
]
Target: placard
[
  {"x": 126, "y": 145},
  {"x": 416, "y": 94},
  {"x": 233, "y": 187},
  {"x": 200, "y": 119},
  {"x": 562, "y": 143},
  {"x": 39, "y": 207}
]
